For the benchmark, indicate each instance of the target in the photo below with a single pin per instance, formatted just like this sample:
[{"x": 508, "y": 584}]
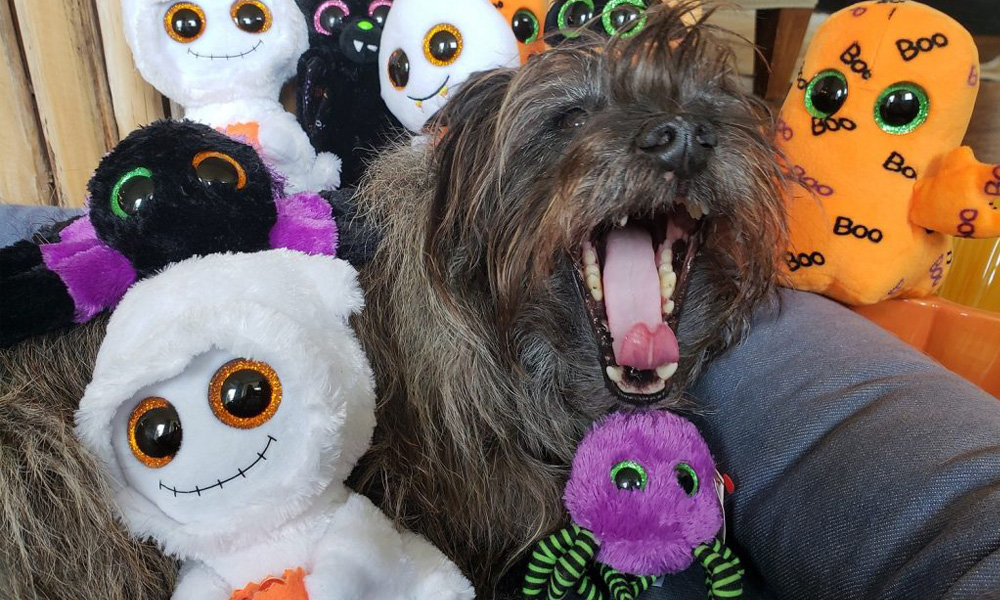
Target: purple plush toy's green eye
[
  {"x": 629, "y": 476},
  {"x": 687, "y": 478}
]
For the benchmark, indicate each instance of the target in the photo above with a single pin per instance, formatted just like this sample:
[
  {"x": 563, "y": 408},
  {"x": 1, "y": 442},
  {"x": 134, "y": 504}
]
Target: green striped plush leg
[
  {"x": 723, "y": 571},
  {"x": 623, "y": 586},
  {"x": 558, "y": 563}
]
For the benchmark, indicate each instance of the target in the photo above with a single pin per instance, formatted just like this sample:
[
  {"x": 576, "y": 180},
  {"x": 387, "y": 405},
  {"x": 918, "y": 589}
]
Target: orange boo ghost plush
[
  {"x": 527, "y": 20},
  {"x": 872, "y": 130}
]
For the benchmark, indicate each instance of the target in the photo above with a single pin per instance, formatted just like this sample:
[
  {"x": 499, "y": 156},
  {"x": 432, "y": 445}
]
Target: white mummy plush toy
[
  {"x": 225, "y": 61},
  {"x": 230, "y": 401},
  {"x": 430, "y": 47}
]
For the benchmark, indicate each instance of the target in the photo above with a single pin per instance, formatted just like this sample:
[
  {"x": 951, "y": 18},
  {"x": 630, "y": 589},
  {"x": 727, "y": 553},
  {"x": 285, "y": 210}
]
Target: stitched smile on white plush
[
  {"x": 441, "y": 88},
  {"x": 226, "y": 56},
  {"x": 219, "y": 483}
]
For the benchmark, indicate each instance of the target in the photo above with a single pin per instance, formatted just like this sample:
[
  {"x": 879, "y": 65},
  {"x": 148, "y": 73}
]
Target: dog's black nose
[{"x": 682, "y": 145}]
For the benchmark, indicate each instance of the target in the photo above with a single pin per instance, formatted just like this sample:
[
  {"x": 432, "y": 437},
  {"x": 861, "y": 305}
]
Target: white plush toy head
[
  {"x": 229, "y": 393},
  {"x": 429, "y": 47},
  {"x": 208, "y": 51}
]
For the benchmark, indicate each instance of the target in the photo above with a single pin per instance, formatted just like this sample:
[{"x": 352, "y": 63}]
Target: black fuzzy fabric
[
  {"x": 358, "y": 238},
  {"x": 339, "y": 101},
  {"x": 34, "y": 299},
  {"x": 185, "y": 217}
]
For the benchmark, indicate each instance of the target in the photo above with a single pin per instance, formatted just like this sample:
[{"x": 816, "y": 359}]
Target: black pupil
[
  {"x": 158, "y": 432},
  {"x": 186, "y": 23},
  {"x": 578, "y": 14},
  {"x": 829, "y": 94},
  {"x": 575, "y": 118},
  {"x": 332, "y": 17},
  {"x": 628, "y": 479},
  {"x": 623, "y": 18},
  {"x": 444, "y": 45},
  {"x": 251, "y": 18},
  {"x": 214, "y": 170},
  {"x": 246, "y": 394},
  {"x": 399, "y": 69},
  {"x": 686, "y": 480},
  {"x": 525, "y": 25},
  {"x": 379, "y": 15},
  {"x": 134, "y": 192},
  {"x": 900, "y": 108}
]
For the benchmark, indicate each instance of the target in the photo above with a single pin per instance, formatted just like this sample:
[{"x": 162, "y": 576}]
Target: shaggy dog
[
  {"x": 542, "y": 256},
  {"x": 539, "y": 261}
]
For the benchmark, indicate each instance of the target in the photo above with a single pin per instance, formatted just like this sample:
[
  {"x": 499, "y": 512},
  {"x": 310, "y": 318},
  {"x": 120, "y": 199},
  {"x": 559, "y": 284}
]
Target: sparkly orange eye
[
  {"x": 184, "y": 22},
  {"x": 154, "y": 432},
  {"x": 443, "y": 45},
  {"x": 217, "y": 168},
  {"x": 245, "y": 393},
  {"x": 252, "y": 16}
]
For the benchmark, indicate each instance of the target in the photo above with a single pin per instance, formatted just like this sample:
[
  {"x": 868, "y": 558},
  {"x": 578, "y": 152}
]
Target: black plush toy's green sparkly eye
[
  {"x": 629, "y": 476},
  {"x": 687, "y": 479},
  {"x": 525, "y": 26},
  {"x": 624, "y": 17},
  {"x": 901, "y": 108},
  {"x": 132, "y": 189},
  {"x": 826, "y": 93},
  {"x": 573, "y": 15}
]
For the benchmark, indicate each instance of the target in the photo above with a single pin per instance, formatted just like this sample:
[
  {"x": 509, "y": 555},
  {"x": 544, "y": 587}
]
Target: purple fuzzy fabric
[
  {"x": 95, "y": 275},
  {"x": 652, "y": 531},
  {"x": 305, "y": 223}
]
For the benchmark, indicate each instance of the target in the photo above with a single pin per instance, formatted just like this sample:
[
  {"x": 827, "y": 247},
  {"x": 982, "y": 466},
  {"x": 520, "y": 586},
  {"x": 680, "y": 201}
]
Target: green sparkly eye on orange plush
[
  {"x": 826, "y": 93},
  {"x": 624, "y": 17},
  {"x": 901, "y": 108}
]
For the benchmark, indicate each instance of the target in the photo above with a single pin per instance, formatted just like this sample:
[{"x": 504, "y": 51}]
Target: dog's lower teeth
[
  {"x": 598, "y": 295},
  {"x": 592, "y": 270},
  {"x": 589, "y": 257},
  {"x": 623, "y": 221},
  {"x": 615, "y": 374},
  {"x": 593, "y": 282},
  {"x": 668, "y": 307},
  {"x": 665, "y": 371},
  {"x": 695, "y": 210}
]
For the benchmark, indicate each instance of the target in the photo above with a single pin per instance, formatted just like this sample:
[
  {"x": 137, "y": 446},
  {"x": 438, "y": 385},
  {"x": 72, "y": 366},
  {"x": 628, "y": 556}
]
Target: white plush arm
[{"x": 197, "y": 582}]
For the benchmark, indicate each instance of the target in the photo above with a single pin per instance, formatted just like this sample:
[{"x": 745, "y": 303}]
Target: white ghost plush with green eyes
[
  {"x": 225, "y": 62},
  {"x": 430, "y": 47},
  {"x": 230, "y": 400}
]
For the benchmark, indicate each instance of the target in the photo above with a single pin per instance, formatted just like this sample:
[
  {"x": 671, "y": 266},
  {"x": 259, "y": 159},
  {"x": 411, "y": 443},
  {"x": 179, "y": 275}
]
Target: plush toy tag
[{"x": 720, "y": 491}]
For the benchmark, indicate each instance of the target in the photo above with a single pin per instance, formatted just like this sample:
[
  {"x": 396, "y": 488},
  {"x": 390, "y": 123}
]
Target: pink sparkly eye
[
  {"x": 379, "y": 10},
  {"x": 330, "y": 15}
]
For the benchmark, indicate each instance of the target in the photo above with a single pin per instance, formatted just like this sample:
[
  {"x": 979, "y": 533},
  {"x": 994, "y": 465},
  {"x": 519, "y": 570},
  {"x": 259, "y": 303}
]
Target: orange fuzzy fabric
[
  {"x": 878, "y": 205},
  {"x": 291, "y": 586}
]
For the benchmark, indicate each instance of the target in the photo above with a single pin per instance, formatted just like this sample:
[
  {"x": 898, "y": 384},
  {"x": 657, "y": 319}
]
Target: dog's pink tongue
[{"x": 641, "y": 339}]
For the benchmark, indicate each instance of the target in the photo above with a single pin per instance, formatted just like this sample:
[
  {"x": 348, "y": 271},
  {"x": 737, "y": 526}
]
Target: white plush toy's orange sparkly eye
[
  {"x": 443, "y": 45},
  {"x": 245, "y": 393},
  {"x": 154, "y": 432},
  {"x": 184, "y": 22},
  {"x": 252, "y": 16}
]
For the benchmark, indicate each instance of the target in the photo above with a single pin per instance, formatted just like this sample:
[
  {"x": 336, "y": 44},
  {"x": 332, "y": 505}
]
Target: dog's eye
[
  {"x": 901, "y": 108},
  {"x": 379, "y": 11},
  {"x": 629, "y": 476},
  {"x": 687, "y": 479},
  {"x": 329, "y": 16},
  {"x": 576, "y": 117},
  {"x": 185, "y": 22},
  {"x": 624, "y": 17},
  {"x": 131, "y": 191},
  {"x": 399, "y": 69},
  {"x": 252, "y": 16},
  {"x": 826, "y": 93},
  {"x": 574, "y": 15},
  {"x": 154, "y": 432},
  {"x": 443, "y": 45},
  {"x": 245, "y": 393},
  {"x": 216, "y": 168},
  {"x": 525, "y": 26}
]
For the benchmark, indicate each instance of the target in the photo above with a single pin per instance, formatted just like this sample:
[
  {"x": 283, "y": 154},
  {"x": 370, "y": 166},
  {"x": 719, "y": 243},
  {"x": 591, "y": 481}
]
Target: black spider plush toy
[
  {"x": 339, "y": 103},
  {"x": 169, "y": 191}
]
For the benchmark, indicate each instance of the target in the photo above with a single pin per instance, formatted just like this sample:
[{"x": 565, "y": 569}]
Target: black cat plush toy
[
  {"x": 339, "y": 102},
  {"x": 169, "y": 191}
]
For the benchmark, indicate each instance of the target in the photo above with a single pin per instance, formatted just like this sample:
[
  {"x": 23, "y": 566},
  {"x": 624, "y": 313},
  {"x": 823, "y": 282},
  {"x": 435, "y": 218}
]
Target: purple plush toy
[{"x": 643, "y": 503}]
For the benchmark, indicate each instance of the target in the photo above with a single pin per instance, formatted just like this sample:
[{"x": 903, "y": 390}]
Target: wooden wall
[{"x": 68, "y": 93}]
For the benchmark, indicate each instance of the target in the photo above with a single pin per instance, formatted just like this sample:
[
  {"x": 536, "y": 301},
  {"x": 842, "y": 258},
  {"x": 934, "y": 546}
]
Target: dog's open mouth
[{"x": 634, "y": 273}]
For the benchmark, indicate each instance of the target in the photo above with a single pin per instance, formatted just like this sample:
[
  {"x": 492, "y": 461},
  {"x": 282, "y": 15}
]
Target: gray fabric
[{"x": 19, "y": 222}]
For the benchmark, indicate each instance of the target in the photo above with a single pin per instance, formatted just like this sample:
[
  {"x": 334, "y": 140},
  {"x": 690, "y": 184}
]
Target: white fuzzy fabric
[
  {"x": 487, "y": 42},
  {"x": 167, "y": 338},
  {"x": 241, "y": 84}
]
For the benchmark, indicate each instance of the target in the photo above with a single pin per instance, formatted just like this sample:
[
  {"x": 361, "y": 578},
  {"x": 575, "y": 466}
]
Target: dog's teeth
[
  {"x": 668, "y": 307},
  {"x": 694, "y": 210},
  {"x": 615, "y": 374},
  {"x": 666, "y": 257},
  {"x": 664, "y": 270},
  {"x": 597, "y": 294},
  {"x": 623, "y": 221},
  {"x": 666, "y": 371},
  {"x": 589, "y": 258},
  {"x": 593, "y": 281},
  {"x": 592, "y": 270}
]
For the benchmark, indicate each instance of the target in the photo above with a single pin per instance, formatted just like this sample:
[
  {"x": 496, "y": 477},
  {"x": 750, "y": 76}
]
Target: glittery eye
[
  {"x": 525, "y": 26},
  {"x": 629, "y": 476},
  {"x": 624, "y": 17},
  {"x": 329, "y": 16},
  {"x": 901, "y": 108},
  {"x": 687, "y": 479},
  {"x": 245, "y": 393},
  {"x": 154, "y": 432},
  {"x": 131, "y": 191},
  {"x": 826, "y": 93},
  {"x": 573, "y": 15},
  {"x": 216, "y": 168},
  {"x": 379, "y": 11},
  {"x": 184, "y": 22},
  {"x": 442, "y": 45},
  {"x": 252, "y": 16}
]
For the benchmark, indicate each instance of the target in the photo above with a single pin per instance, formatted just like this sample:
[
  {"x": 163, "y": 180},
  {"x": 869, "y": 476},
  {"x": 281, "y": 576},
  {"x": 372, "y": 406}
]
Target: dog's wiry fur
[
  {"x": 487, "y": 367},
  {"x": 60, "y": 539}
]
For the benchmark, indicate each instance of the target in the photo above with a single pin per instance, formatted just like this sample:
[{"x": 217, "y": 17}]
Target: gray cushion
[{"x": 18, "y": 222}]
